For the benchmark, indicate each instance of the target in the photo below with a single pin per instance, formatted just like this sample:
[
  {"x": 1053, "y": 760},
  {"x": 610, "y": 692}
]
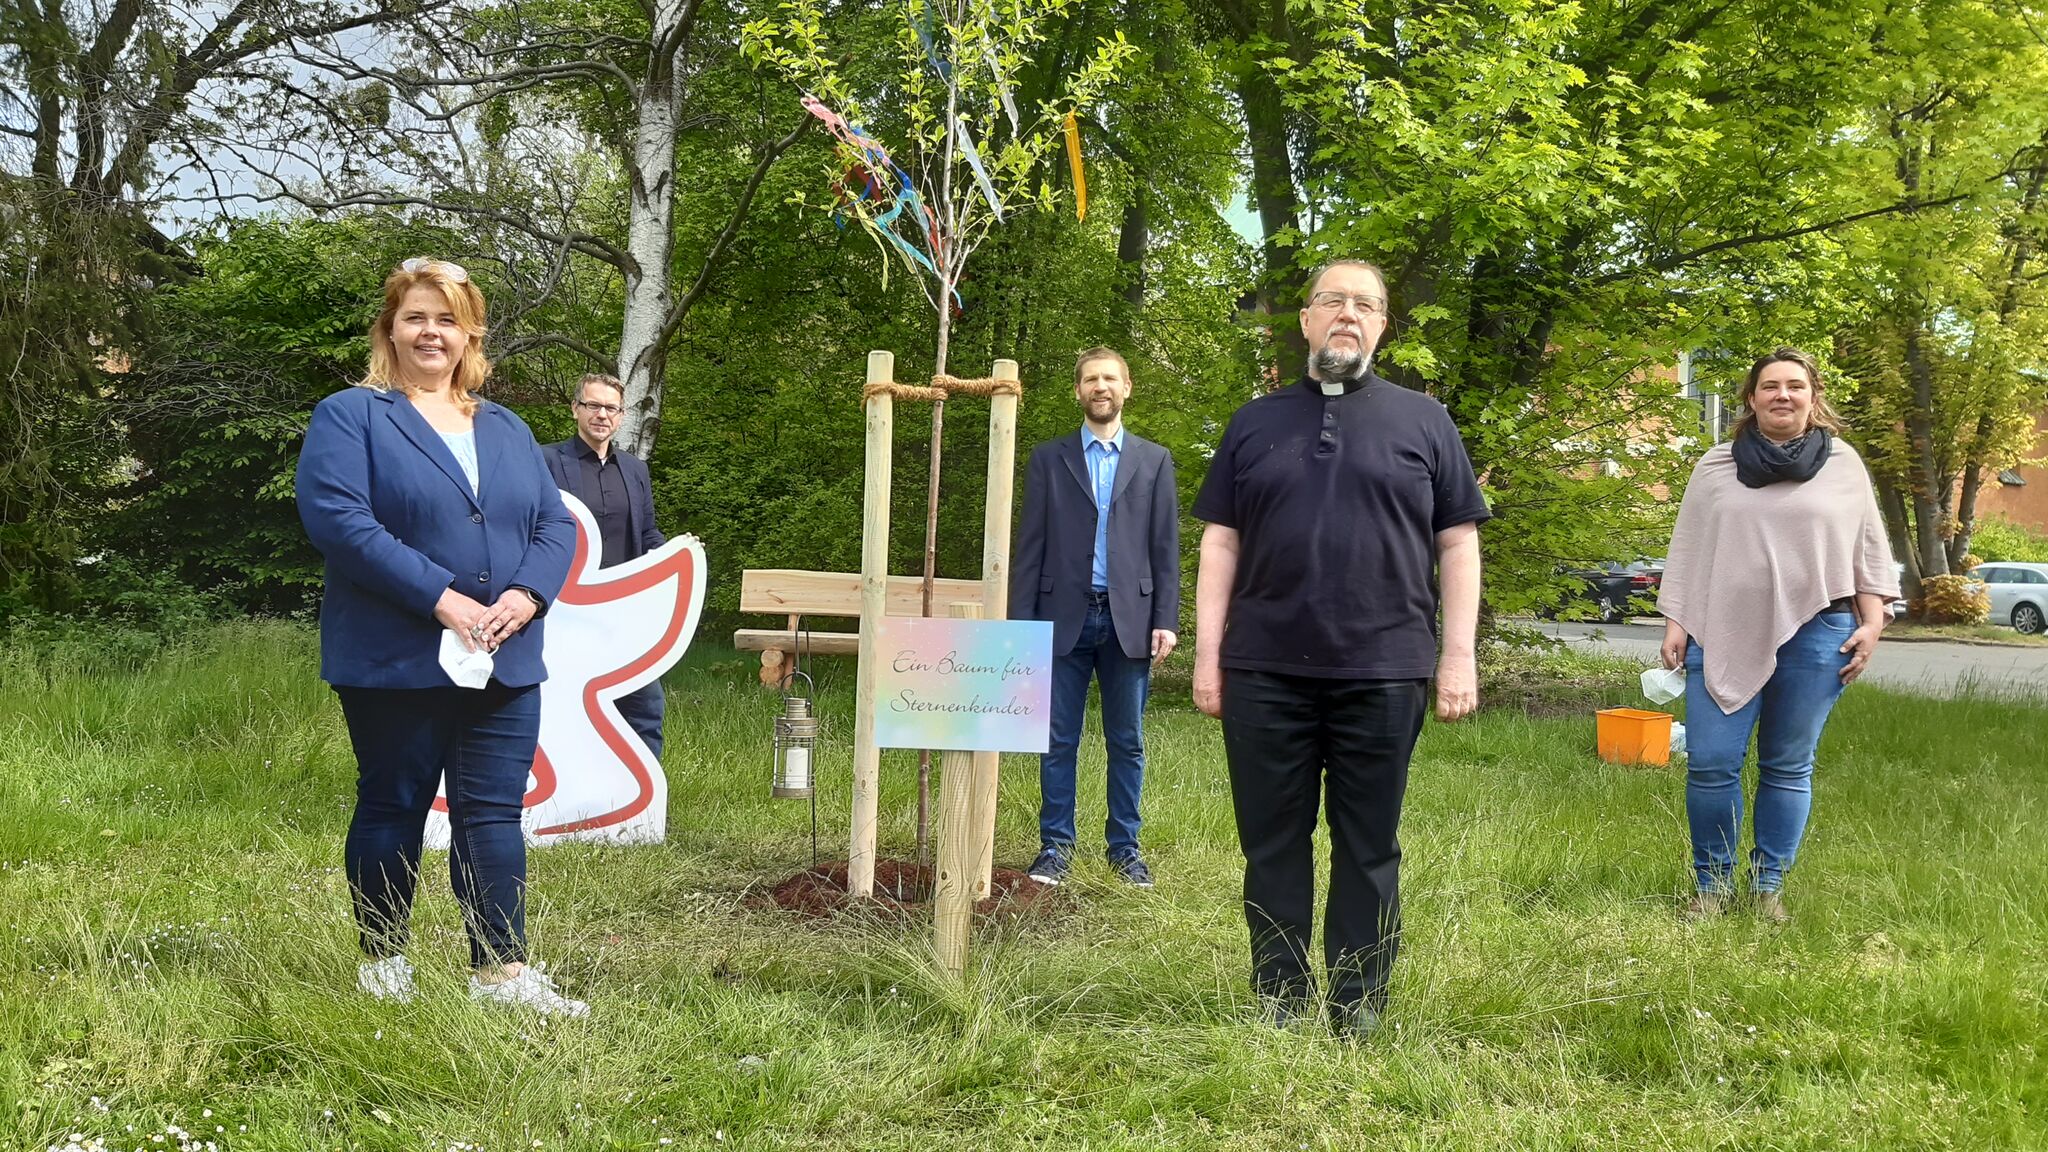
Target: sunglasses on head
[{"x": 420, "y": 264}]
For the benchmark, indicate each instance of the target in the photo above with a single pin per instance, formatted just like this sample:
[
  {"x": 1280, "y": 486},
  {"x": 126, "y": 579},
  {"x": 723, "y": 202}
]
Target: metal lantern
[{"x": 796, "y": 740}]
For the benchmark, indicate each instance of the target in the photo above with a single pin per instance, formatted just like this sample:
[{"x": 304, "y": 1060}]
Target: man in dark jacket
[
  {"x": 1098, "y": 554},
  {"x": 614, "y": 485}
]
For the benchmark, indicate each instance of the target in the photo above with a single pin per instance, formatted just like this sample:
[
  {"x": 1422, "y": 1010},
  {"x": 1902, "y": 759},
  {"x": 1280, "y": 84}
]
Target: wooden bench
[{"x": 800, "y": 595}]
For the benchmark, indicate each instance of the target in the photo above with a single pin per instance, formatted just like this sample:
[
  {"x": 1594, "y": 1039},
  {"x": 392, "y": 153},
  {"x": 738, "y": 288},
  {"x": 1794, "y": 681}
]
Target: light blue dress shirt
[
  {"x": 1102, "y": 457},
  {"x": 463, "y": 445}
]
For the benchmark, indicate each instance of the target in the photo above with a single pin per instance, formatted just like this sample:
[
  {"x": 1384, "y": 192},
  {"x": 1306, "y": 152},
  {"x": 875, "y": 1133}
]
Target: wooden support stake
[
  {"x": 874, "y": 605},
  {"x": 953, "y": 902},
  {"x": 995, "y": 599}
]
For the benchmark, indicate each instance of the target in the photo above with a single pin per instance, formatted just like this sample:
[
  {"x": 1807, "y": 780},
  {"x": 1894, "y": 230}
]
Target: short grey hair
[{"x": 1323, "y": 270}]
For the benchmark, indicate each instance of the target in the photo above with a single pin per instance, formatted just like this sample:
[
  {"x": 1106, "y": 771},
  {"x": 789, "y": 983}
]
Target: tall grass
[{"x": 169, "y": 849}]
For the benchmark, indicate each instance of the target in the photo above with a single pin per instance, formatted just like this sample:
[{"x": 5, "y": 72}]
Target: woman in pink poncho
[{"x": 1774, "y": 598}]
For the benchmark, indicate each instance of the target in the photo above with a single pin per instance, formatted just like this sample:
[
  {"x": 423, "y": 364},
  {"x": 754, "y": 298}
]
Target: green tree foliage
[
  {"x": 1997, "y": 538},
  {"x": 66, "y": 304},
  {"x": 214, "y": 406},
  {"x": 1567, "y": 195},
  {"x": 1947, "y": 316}
]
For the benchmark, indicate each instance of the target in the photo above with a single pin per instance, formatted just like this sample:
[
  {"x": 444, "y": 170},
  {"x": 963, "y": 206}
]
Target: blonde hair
[
  {"x": 1821, "y": 415},
  {"x": 468, "y": 306}
]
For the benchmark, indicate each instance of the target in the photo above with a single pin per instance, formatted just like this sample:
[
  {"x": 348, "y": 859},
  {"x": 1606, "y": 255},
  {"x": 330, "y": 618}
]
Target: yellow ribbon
[{"x": 1074, "y": 162}]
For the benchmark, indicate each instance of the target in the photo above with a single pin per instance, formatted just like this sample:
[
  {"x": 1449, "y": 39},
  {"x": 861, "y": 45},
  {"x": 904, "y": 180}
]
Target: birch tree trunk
[{"x": 650, "y": 234}]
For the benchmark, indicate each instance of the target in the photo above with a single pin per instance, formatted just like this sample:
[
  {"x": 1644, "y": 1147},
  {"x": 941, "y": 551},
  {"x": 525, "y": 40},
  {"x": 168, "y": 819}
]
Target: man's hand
[
  {"x": 1163, "y": 643},
  {"x": 1208, "y": 684},
  {"x": 1673, "y": 649},
  {"x": 461, "y": 615},
  {"x": 1457, "y": 687}
]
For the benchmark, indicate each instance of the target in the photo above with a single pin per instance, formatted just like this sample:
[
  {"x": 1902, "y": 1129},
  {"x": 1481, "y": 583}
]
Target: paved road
[{"x": 1933, "y": 669}]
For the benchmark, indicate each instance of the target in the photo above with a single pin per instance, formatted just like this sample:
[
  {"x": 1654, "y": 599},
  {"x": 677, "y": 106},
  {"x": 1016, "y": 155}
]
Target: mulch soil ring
[{"x": 902, "y": 889}]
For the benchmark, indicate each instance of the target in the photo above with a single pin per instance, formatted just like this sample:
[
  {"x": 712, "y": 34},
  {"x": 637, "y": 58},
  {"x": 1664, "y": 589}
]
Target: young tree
[{"x": 951, "y": 85}]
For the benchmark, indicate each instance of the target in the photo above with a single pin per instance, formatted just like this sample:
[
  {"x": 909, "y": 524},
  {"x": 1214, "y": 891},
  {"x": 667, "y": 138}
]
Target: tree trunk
[
  {"x": 1966, "y": 503},
  {"x": 947, "y": 256},
  {"x": 1132, "y": 241},
  {"x": 1897, "y": 525},
  {"x": 1926, "y": 488},
  {"x": 1273, "y": 194},
  {"x": 650, "y": 240}
]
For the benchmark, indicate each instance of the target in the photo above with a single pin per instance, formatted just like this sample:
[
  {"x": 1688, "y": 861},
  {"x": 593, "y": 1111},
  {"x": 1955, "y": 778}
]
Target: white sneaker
[
  {"x": 530, "y": 989},
  {"x": 387, "y": 979}
]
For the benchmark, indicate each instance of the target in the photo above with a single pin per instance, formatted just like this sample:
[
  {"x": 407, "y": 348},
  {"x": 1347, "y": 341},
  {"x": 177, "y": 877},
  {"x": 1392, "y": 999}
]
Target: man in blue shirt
[{"x": 1098, "y": 554}]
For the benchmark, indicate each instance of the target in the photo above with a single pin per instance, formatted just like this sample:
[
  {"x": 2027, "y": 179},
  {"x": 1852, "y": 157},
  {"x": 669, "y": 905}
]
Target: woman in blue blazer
[{"x": 436, "y": 516}]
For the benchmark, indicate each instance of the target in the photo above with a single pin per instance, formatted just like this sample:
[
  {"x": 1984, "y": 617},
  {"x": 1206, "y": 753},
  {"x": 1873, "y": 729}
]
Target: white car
[{"x": 2019, "y": 594}]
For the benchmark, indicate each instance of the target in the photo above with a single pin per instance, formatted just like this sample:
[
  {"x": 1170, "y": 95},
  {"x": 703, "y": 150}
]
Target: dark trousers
[
  {"x": 641, "y": 709},
  {"x": 1126, "y": 683},
  {"x": 405, "y": 740},
  {"x": 1290, "y": 739}
]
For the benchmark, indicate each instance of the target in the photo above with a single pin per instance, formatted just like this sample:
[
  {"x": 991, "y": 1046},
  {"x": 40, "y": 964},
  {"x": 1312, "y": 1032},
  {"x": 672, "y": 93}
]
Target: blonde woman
[
  {"x": 436, "y": 517},
  {"x": 1774, "y": 599}
]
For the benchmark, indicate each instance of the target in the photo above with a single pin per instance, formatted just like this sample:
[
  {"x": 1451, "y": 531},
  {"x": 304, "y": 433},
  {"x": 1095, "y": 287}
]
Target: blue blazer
[
  {"x": 391, "y": 512},
  {"x": 642, "y": 536},
  {"x": 1051, "y": 568}
]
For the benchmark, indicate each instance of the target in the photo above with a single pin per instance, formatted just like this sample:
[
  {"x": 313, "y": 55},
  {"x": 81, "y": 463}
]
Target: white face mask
[
  {"x": 1663, "y": 685},
  {"x": 466, "y": 668}
]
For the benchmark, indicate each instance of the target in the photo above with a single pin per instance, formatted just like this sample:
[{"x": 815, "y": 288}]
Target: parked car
[
  {"x": 1611, "y": 586},
  {"x": 1645, "y": 577},
  {"x": 2019, "y": 594}
]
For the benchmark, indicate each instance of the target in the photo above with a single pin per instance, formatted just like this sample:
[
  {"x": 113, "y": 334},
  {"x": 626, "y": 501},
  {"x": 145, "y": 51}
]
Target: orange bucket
[{"x": 1633, "y": 736}]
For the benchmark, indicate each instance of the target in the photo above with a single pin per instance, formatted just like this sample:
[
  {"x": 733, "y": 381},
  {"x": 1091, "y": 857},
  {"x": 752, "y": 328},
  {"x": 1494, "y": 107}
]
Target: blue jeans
[
  {"x": 405, "y": 739},
  {"x": 1787, "y": 716},
  {"x": 1125, "y": 685}
]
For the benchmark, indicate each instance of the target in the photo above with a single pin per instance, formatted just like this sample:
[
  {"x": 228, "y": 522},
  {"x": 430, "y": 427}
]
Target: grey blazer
[{"x": 1050, "y": 569}]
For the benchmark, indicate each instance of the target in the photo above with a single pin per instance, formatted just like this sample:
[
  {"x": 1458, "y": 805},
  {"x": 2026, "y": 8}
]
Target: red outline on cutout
[{"x": 680, "y": 568}]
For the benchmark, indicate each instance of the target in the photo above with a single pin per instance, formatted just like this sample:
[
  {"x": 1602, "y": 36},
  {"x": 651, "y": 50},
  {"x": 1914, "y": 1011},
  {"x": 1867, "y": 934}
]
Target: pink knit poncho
[{"x": 1750, "y": 566}]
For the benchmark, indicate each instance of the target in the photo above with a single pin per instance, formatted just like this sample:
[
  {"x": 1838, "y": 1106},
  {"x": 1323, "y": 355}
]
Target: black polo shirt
[
  {"x": 1337, "y": 501},
  {"x": 603, "y": 479}
]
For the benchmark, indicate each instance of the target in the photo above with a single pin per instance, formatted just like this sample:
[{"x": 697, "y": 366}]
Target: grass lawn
[{"x": 179, "y": 957}]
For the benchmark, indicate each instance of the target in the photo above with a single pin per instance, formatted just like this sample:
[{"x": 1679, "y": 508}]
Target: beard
[
  {"x": 1104, "y": 410},
  {"x": 1339, "y": 364}
]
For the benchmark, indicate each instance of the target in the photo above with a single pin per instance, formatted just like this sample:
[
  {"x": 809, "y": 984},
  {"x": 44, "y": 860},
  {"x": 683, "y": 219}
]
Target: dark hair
[
  {"x": 1823, "y": 414},
  {"x": 1101, "y": 352}
]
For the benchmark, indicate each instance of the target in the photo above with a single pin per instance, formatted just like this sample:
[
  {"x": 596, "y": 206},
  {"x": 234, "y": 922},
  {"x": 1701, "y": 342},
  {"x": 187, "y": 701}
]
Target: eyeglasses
[
  {"x": 1332, "y": 303},
  {"x": 419, "y": 264},
  {"x": 600, "y": 409}
]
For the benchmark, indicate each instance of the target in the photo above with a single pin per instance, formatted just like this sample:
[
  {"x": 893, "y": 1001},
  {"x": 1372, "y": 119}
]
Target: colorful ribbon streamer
[
  {"x": 878, "y": 170},
  {"x": 1074, "y": 163},
  {"x": 988, "y": 189}
]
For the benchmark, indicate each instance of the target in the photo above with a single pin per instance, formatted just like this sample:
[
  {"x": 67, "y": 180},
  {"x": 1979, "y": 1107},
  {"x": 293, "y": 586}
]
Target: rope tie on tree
[{"x": 942, "y": 388}]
